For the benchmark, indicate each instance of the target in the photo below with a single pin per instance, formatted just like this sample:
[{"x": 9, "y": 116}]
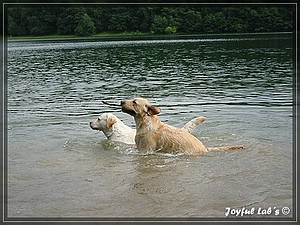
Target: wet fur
[
  {"x": 154, "y": 135},
  {"x": 115, "y": 130}
]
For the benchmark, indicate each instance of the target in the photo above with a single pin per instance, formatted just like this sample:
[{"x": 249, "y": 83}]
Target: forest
[{"x": 87, "y": 20}]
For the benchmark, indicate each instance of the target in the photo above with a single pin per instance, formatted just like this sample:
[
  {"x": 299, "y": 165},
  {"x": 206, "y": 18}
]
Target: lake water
[{"x": 59, "y": 167}]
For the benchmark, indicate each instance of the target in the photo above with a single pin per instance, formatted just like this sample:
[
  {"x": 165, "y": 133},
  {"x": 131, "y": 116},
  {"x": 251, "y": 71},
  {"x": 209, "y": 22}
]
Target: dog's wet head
[
  {"x": 103, "y": 122},
  {"x": 139, "y": 107}
]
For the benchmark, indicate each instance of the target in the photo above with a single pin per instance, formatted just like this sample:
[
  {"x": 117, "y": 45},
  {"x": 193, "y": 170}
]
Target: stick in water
[{"x": 110, "y": 104}]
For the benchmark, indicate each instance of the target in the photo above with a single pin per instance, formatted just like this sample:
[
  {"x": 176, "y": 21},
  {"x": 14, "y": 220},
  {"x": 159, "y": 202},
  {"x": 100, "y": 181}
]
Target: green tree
[
  {"x": 100, "y": 17},
  {"x": 190, "y": 20},
  {"x": 171, "y": 30},
  {"x": 85, "y": 26},
  {"x": 159, "y": 24},
  {"x": 85, "y": 20},
  {"x": 120, "y": 20},
  {"x": 12, "y": 27},
  {"x": 68, "y": 19},
  {"x": 31, "y": 21},
  {"x": 143, "y": 18}
]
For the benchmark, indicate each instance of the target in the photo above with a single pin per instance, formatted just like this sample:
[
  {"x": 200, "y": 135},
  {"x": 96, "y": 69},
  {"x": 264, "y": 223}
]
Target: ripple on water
[{"x": 243, "y": 85}]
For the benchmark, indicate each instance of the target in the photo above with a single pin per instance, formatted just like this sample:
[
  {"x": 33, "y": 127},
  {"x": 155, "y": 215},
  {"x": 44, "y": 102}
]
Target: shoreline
[{"x": 117, "y": 36}]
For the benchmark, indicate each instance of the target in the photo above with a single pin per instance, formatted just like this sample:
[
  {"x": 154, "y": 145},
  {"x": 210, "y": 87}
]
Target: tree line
[{"x": 89, "y": 20}]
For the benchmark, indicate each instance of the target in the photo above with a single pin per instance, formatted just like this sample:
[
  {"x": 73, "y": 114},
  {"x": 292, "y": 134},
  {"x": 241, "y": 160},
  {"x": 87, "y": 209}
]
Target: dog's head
[
  {"x": 104, "y": 122},
  {"x": 139, "y": 107}
]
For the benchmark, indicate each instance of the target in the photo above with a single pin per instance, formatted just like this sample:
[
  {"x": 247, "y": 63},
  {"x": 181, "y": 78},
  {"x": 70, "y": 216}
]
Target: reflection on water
[
  {"x": 193, "y": 72},
  {"x": 243, "y": 85}
]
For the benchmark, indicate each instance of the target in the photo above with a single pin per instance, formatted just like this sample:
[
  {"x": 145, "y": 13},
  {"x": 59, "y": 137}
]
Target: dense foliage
[{"x": 85, "y": 21}]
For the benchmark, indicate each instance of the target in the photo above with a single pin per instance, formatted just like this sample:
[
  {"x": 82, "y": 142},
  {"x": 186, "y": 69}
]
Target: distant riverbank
[
  {"x": 100, "y": 35},
  {"x": 132, "y": 35}
]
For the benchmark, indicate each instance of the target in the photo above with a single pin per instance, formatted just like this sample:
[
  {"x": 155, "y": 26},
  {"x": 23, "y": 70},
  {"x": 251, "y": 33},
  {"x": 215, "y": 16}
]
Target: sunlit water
[{"x": 59, "y": 167}]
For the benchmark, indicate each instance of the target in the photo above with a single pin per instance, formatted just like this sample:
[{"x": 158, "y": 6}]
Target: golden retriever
[
  {"x": 154, "y": 135},
  {"x": 115, "y": 130}
]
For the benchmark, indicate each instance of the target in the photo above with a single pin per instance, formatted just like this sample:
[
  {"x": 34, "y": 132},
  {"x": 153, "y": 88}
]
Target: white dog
[{"x": 115, "y": 130}]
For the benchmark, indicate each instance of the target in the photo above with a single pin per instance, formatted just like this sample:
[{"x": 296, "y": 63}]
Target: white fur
[{"x": 114, "y": 129}]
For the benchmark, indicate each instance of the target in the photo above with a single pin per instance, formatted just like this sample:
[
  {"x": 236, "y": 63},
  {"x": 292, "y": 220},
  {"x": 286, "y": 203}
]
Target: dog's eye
[
  {"x": 99, "y": 119},
  {"x": 145, "y": 105},
  {"x": 134, "y": 102}
]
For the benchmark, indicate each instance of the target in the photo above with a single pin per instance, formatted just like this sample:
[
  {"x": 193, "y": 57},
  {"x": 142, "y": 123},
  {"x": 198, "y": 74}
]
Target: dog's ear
[
  {"x": 110, "y": 121},
  {"x": 153, "y": 110}
]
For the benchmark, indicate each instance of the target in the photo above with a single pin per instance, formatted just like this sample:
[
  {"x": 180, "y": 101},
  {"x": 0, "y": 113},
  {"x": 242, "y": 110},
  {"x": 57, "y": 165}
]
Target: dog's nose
[{"x": 122, "y": 103}]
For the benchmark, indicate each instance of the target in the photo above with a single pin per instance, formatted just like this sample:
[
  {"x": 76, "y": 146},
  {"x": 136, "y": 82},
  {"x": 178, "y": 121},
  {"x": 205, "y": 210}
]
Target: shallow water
[{"x": 59, "y": 167}]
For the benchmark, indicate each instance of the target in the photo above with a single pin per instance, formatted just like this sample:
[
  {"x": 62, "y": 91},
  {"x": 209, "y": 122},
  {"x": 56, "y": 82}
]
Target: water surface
[{"x": 59, "y": 167}]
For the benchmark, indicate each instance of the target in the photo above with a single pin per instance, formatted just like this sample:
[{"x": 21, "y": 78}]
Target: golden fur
[
  {"x": 154, "y": 135},
  {"x": 115, "y": 130}
]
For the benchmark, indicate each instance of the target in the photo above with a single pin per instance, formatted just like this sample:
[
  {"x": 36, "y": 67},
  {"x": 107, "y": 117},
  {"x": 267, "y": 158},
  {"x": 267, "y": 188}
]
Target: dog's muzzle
[
  {"x": 129, "y": 111},
  {"x": 92, "y": 126}
]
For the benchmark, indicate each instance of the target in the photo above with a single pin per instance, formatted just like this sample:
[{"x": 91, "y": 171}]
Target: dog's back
[
  {"x": 154, "y": 135},
  {"x": 122, "y": 133},
  {"x": 115, "y": 130},
  {"x": 158, "y": 136}
]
